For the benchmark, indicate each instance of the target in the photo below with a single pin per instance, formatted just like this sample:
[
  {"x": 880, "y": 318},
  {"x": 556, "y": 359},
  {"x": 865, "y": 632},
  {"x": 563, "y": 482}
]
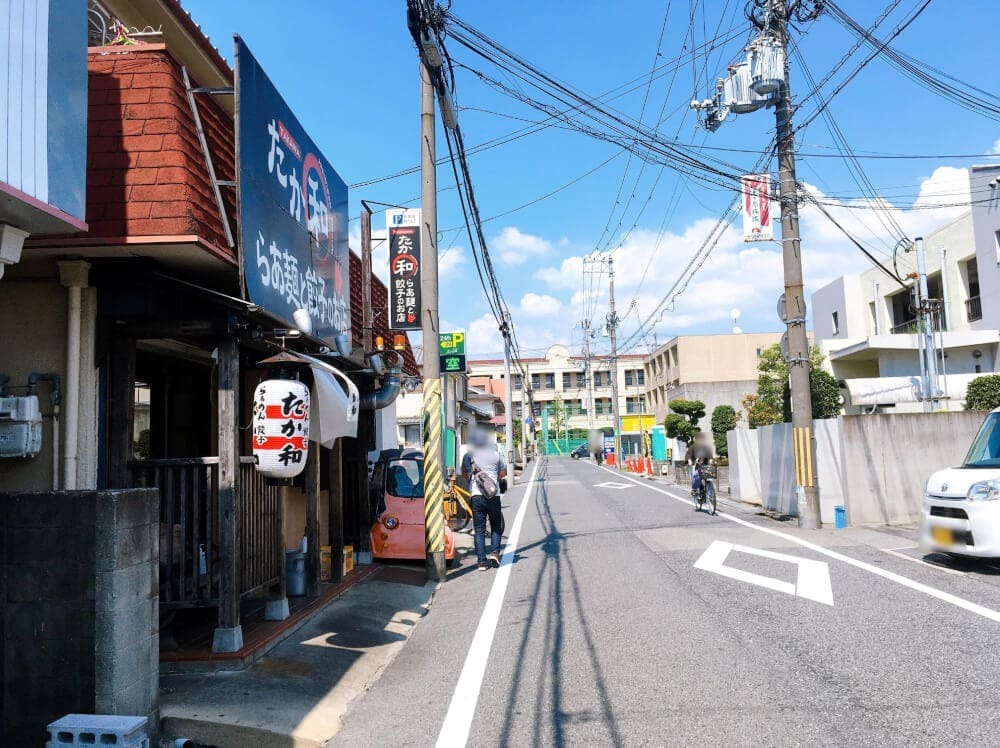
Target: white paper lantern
[{"x": 280, "y": 427}]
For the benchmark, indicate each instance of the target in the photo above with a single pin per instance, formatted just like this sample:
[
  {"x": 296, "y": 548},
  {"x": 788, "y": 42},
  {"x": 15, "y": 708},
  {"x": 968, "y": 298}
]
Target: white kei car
[{"x": 962, "y": 504}]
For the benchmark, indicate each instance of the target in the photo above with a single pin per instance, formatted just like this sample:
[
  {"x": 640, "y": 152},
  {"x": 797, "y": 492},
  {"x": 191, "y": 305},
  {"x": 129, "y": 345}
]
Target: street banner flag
[
  {"x": 757, "y": 225},
  {"x": 404, "y": 229}
]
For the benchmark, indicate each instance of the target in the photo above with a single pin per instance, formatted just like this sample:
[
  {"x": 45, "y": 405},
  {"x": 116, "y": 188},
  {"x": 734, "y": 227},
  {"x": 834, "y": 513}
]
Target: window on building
[
  {"x": 518, "y": 410},
  {"x": 581, "y": 379},
  {"x": 567, "y": 380},
  {"x": 640, "y": 376},
  {"x": 537, "y": 410},
  {"x": 635, "y": 404},
  {"x": 536, "y": 382},
  {"x": 518, "y": 382},
  {"x": 629, "y": 376},
  {"x": 550, "y": 381},
  {"x": 835, "y": 322}
]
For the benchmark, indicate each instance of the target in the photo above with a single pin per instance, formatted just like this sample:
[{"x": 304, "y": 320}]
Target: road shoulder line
[{"x": 462, "y": 709}]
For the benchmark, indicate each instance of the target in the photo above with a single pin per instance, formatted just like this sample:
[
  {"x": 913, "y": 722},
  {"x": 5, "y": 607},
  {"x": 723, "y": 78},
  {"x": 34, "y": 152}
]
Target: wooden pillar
[
  {"x": 121, "y": 403},
  {"x": 229, "y": 634},
  {"x": 336, "y": 497},
  {"x": 312, "y": 520}
]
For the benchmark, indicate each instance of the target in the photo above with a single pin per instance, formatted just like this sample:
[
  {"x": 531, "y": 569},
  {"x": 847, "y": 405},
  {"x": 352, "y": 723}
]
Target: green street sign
[{"x": 451, "y": 352}]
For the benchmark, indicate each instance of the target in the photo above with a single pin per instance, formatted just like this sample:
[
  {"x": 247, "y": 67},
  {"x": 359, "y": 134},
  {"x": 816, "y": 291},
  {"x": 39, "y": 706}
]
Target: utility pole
[
  {"x": 432, "y": 409},
  {"x": 588, "y": 375},
  {"x": 508, "y": 398},
  {"x": 925, "y": 321},
  {"x": 798, "y": 343},
  {"x": 747, "y": 90},
  {"x": 613, "y": 335}
]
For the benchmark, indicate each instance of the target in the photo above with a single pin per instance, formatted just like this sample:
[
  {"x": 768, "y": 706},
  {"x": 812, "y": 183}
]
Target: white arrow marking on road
[
  {"x": 812, "y": 583},
  {"x": 612, "y": 484}
]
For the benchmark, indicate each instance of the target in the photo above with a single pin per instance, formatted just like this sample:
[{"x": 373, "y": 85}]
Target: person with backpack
[{"x": 484, "y": 468}]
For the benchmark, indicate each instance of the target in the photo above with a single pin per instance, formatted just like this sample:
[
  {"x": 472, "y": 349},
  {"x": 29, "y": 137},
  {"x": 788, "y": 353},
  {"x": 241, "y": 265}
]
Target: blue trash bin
[
  {"x": 839, "y": 517},
  {"x": 295, "y": 573}
]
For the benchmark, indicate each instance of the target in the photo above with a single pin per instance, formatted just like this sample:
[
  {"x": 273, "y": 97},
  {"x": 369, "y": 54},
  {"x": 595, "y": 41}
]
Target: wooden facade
[{"x": 170, "y": 319}]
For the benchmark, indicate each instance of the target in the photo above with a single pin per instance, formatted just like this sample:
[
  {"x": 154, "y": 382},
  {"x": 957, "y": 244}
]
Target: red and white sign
[
  {"x": 280, "y": 427},
  {"x": 757, "y": 224}
]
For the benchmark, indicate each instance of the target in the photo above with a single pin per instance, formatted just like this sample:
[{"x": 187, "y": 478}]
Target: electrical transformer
[
  {"x": 767, "y": 66},
  {"x": 20, "y": 426},
  {"x": 738, "y": 94}
]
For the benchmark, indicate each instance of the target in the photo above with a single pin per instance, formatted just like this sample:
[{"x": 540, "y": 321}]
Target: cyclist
[{"x": 698, "y": 453}]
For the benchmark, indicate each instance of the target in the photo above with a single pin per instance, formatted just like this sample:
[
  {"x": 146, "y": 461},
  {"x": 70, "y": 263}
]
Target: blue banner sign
[{"x": 293, "y": 210}]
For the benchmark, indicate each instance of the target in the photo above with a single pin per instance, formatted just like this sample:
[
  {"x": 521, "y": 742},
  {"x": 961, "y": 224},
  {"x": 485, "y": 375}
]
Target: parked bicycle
[
  {"x": 705, "y": 495},
  {"x": 457, "y": 511}
]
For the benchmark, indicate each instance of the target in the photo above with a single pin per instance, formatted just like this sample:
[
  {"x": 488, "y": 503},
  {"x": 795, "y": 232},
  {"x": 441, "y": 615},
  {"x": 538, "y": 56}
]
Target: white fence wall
[{"x": 875, "y": 466}]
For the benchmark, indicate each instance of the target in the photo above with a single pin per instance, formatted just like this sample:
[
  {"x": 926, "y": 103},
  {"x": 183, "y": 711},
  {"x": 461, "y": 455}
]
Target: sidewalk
[{"x": 297, "y": 693}]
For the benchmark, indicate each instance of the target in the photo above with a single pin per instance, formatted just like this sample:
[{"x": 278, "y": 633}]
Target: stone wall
[{"x": 79, "y": 607}]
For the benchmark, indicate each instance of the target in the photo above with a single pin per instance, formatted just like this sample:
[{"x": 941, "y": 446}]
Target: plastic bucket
[
  {"x": 839, "y": 517},
  {"x": 295, "y": 573}
]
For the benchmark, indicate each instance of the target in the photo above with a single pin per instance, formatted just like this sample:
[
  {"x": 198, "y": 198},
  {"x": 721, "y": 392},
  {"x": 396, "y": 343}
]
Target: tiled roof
[{"x": 146, "y": 173}]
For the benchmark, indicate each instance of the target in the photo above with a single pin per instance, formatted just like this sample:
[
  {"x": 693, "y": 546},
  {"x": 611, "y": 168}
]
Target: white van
[{"x": 962, "y": 504}]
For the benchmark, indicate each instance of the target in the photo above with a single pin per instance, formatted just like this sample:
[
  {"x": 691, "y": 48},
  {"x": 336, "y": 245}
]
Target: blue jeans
[
  {"x": 695, "y": 480},
  {"x": 483, "y": 509}
]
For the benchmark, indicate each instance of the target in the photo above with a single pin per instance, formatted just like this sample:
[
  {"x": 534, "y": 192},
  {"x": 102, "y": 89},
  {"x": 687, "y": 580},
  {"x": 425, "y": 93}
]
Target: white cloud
[
  {"x": 514, "y": 247},
  {"x": 450, "y": 263},
  {"x": 538, "y": 305},
  {"x": 995, "y": 150}
]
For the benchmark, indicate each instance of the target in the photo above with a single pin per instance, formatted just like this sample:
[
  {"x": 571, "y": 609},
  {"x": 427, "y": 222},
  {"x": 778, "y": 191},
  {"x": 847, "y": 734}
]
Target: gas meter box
[{"x": 20, "y": 426}]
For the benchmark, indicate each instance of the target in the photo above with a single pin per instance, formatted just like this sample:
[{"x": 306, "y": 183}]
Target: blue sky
[{"x": 349, "y": 71}]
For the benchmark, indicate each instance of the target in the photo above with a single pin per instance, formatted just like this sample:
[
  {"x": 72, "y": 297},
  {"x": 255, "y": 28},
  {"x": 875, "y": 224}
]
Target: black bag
[
  {"x": 487, "y": 485},
  {"x": 503, "y": 485}
]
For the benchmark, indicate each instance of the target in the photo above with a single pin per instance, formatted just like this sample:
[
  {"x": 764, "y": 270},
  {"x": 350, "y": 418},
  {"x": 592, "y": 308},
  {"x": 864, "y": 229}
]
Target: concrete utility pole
[
  {"x": 508, "y": 398},
  {"x": 588, "y": 375},
  {"x": 432, "y": 411},
  {"x": 795, "y": 304},
  {"x": 613, "y": 335}
]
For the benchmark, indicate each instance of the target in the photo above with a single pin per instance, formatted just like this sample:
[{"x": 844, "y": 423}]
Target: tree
[
  {"x": 557, "y": 411},
  {"x": 724, "y": 418},
  {"x": 772, "y": 403},
  {"x": 983, "y": 393},
  {"x": 682, "y": 424}
]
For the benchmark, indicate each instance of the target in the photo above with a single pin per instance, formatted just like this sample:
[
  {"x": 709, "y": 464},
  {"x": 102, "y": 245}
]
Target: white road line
[
  {"x": 458, "y": 721},
  {"x": 891, "y": 576},
  {"x": 895, "y": 552}
]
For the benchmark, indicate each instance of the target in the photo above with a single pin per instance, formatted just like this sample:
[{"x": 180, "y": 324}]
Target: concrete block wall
[
  {"x": 888, "y": 459},
  {"x": 79, "y": 604},
  {"x": 875, "y": 466}
]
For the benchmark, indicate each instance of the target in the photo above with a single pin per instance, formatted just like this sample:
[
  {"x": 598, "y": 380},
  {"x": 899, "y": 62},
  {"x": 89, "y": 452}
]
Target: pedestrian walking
[{"x": 484, "y": 468}]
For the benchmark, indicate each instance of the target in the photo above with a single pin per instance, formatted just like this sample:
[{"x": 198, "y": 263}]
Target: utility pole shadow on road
[{"x": 556, "y": 569}]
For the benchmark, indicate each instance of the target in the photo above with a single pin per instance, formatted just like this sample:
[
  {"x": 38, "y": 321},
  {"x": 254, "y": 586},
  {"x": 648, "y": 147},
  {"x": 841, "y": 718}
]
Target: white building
[
  {"x": 865, "y": 325},
  {"x": 561, "y": 375}
]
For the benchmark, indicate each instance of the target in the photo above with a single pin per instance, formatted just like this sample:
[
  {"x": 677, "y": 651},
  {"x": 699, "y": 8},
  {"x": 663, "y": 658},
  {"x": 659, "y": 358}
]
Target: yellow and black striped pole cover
[
  {"x": 802, "y": 442},
  {"x": 433, "y": 480}
]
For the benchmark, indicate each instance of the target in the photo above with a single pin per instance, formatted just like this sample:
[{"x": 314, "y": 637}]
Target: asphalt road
[{"x": 630, "y": 619}]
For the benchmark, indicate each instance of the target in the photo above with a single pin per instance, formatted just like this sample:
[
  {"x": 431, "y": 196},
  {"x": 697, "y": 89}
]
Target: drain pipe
[
  {"x": 55, "y": 397},
  {"x": 74, "y": 274},
  {"x": 385, "y": 395}
]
